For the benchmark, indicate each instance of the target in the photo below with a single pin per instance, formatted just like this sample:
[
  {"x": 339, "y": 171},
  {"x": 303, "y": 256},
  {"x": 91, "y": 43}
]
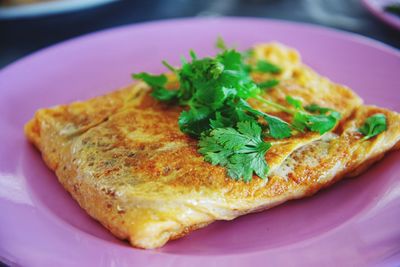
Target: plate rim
[{"x": 389, "y": 19}]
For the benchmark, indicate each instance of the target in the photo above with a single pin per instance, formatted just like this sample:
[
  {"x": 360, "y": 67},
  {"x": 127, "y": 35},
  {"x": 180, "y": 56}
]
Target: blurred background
[{"x": 30, "y": 27}]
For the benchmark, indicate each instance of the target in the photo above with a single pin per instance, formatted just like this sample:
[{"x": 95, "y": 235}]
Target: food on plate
[{"x": 215, "y": 139}]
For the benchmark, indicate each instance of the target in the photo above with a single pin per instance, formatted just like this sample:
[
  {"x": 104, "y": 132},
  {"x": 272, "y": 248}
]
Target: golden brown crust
[{"x": 125, "y": 161}]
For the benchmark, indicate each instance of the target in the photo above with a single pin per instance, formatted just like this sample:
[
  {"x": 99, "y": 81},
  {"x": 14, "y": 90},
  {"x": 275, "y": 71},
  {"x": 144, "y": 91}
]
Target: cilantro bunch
[{"x": 214, "y": 92}]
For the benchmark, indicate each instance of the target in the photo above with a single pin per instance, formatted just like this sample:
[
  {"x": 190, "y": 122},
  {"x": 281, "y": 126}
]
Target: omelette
[{"x": 124, "y": 159}]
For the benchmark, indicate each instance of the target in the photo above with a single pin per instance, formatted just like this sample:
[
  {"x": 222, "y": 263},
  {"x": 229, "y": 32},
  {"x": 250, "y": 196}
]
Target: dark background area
[{"x": 20, "y": 37}]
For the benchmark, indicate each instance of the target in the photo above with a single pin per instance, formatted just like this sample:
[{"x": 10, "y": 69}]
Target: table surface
[{"x": 20, "y": 37}]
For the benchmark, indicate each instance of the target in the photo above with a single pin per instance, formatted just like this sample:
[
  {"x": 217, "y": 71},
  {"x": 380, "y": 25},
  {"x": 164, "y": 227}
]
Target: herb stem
[
  {"x": 275, "y": 105},
  {"x": 166, "y": 64}
]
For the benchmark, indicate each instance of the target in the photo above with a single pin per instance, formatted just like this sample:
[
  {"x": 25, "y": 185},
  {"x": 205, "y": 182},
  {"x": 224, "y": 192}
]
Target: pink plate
[
  {"x": 353, "y": 223},
  {"x": 377, "y": 8}
]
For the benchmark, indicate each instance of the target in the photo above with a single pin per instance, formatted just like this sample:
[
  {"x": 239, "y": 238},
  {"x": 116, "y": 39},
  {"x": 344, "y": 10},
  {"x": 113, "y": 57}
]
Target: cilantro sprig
[
  {"x": 214, "y": 93},
  {"x": 266, "y": 66},
  {"x": 313, "y": 117},
  {"x": 241, "y": 150},
  {"x": 157, "y": 82},
  {"x": 373, "y": 126}
]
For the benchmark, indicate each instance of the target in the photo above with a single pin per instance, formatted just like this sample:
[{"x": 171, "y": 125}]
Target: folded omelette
[{"x": 123, "y": 158}]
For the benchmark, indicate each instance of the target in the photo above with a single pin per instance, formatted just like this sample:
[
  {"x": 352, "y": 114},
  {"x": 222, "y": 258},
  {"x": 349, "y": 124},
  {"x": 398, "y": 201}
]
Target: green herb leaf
[
  {"x": 323, "y": 122},
  {"x": 322, "y": 110},
  {"x": 266, "y": 66},
  {"x": 221, "y": 121},
  {"x": 277, "y": 127},
  {"x": 268, "y": 84},
  {"x": 248, "y": 53},
  {"x": 193, "y": 54},
  {"x": 168, "y": 66},
  {"x": 241, "y": 151},
  {"x": 195, "y": 121},
  {"x": 220, "y": 44},
  {"x": 373, "y": 126},
  {"x": 151, "y": 80},
  {"x": 163, "y": 94},
  {"x": 316, "y": 108},
  {"x": 296, "y": 103},
  {"x": 157, "y": 83}
]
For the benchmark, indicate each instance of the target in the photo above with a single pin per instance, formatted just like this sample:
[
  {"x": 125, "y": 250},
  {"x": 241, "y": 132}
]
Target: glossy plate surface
[{"x": 353, "y": 223}]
